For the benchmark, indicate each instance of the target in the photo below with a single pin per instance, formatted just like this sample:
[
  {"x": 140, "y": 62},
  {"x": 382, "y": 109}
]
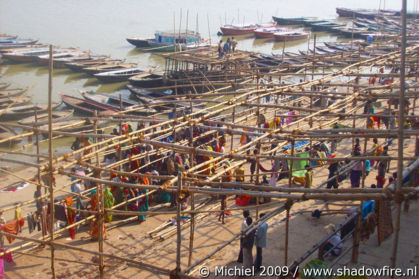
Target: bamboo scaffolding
[{"x": 263, "y": 136}]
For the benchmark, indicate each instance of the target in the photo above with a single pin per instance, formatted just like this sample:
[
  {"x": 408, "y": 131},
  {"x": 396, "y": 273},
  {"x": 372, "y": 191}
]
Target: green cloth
[
  {"x": 143, "y": 205},
  {"x": 298, "y": 166}
]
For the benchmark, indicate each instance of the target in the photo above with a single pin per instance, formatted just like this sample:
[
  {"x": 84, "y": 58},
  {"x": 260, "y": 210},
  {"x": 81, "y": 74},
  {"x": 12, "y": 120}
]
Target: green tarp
[{"x": 298, "y": 166}]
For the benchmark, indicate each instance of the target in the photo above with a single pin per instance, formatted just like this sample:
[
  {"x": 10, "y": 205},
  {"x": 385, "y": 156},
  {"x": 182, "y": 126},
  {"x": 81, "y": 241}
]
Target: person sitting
[{"x": 334, "y": 244}]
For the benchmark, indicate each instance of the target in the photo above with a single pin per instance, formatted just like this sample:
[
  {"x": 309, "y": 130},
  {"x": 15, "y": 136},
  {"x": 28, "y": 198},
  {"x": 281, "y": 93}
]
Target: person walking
[{"x": 260, "y": 242}]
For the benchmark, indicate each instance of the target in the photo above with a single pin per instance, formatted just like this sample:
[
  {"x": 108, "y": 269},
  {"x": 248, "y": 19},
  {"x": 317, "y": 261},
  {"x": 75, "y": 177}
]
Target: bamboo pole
[
  {"x": 51, "y": 182},
  {"x": 135, "y": 263},
  {"x": 38, "y": 187},
  {"x": 178, "y": 220},
  {"x": 399, "y": 180},
  {"x": 288, "y": 208},
  {"x": 191, "y": 164}
]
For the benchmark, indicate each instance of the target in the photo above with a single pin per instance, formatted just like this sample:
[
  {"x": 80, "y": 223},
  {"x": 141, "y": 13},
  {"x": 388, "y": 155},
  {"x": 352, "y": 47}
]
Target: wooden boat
[
  {"x": 147, "y": 80},
  {"x": 230, "y": 29},
  {"x": 119, "y": 75},
  {"x": 165, "y": 41},
  {"x": 6, "y": 132},
  {"x": 67, "y": 126},
  {"x": 79, "y": 65},
  {"x": 57, "y": 116},
  {"x": 9, "y": 93},
  {"x": 21, "y": 47},
  {"x": 83, "y": 57},
  {"x": 44, "y": 59},
  {"x": 291, "y": 36},
  {"x": 86, "y": 106},
  {"x": 4, "y": 85},
  {"x": 268, "y": 32},
  {"x": 7, "y": 37},
  {"x": 20, "y": 112},
  {"x": 26, "y": 55},
  {"x": 107, "y": 68},
  {"x": 139, "y": 42},
  {"x": 115, "y": 102},
  {"x": 9, "y": 42},
  {"x": 148, "y": 93},
  {"x": 289, "y": 21},
  {"x": 325, "y": 26},
  {"x": 6, "y": 101}
]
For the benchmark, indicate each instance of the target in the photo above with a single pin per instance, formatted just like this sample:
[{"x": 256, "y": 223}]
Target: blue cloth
[
  {"x": 298, "y": 144},
  {"x": 367, "y": 165},
  {"x": 261, "y": 235},
  {"x": 367, "y": 208}
]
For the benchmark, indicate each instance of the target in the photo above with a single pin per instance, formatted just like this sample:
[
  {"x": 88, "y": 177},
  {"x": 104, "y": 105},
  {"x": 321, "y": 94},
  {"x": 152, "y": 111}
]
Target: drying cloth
[
  {"x": 367, "y": 208},
  {"x": 31, "y": 222},
  {"x": 298, "y": 166},
  {"x": 13, "y": 228},
  {"x": 60, "y": 213},
  {"x": 8, "y": 256}
]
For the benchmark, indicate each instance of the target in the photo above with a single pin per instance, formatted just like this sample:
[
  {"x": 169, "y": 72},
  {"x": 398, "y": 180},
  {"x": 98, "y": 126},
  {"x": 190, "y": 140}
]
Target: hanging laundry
[
  {"x": 31, "y": 222},
  {"x": 13, "y": 228},
  {"x": 59, "y": 213},
  {"x": 44, "y": 216},
  {"x": 7, "y": 256}
]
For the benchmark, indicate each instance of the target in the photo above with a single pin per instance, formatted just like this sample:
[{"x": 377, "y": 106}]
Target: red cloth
[
  {"x": 243, "y": 200},
  {"x": 13, "y": 228}
]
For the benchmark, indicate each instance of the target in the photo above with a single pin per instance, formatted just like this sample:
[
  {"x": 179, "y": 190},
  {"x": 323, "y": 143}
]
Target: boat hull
[
  {"x": 263, "y": 35},
  {"x": 139, "y": 42},
  {"x": 237, "y": 31},
  {"x": 290, "y": 37}
]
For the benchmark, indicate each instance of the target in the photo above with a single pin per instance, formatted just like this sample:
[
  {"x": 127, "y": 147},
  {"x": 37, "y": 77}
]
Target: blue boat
[{"x": 168, "y": 41}]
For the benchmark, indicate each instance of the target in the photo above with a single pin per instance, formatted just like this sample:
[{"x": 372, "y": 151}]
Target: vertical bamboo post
[
  {"x": 95, "y": 139},
  {"x": 180, "y": 26},
  {"x": 399, "y": 180},
  {"x": 174, "y": 31},
  {"x": 232, "y": 135},
  {"x": 192, "y": 229},
  {"x": 120, "y": 132},
  {"x": 312, "y": 78},
  {"x": 209, "y": 32},
  {"x": 287, "y": 221},
  {"x": 100, "y": 215},
  {"x": 38, "y": 187},
  {"x": 186, "y": 29},
  {"x": 51, "y": 183},
  {"x": 356, "y": 239},
  {"x": 178, "y": 220}
]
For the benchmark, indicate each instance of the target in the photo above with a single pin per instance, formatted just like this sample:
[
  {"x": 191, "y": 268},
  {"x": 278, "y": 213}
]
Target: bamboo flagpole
[{"x": 51, "y": 182}]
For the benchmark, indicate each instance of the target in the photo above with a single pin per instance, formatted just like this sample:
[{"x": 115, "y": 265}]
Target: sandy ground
[{"x": 132, "y": 241}]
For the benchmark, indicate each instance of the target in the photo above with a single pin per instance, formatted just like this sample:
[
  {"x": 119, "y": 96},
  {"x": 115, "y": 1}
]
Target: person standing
[
  {"x": 333, "y": 167},
  {"x": 260, "y": 242},
  {"x": 233, "y": 44},
  {"x": 248, "y": 241},
  {"x": 246, "y": 214}
]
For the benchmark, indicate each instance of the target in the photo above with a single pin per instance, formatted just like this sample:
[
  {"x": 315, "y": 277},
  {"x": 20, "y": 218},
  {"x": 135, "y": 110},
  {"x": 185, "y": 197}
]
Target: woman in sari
[
  {"x": 109, "y": 202},
  {"x": 94, "y": 225},
  {"x": 143, "y": 201}
]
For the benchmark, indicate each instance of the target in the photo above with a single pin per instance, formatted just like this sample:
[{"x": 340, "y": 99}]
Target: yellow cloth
[
  {"x": 239, "y": 174},
  {"x": 308, "y": 179},
  {"x": 18, "y": 213},
  {"x": 301, "y": 180}
]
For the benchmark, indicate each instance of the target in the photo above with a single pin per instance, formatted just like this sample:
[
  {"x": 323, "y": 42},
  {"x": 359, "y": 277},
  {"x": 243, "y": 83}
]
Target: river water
[{"x": 102, "y": 26}]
